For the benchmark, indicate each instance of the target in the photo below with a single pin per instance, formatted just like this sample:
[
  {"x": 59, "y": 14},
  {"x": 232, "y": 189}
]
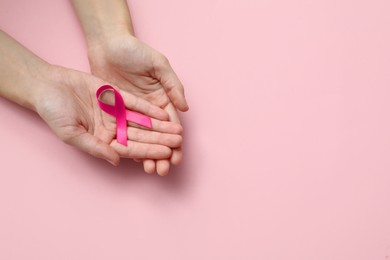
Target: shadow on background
[
  {"x": 127, "y": 175},
  {"x": 176, "y": 181}
]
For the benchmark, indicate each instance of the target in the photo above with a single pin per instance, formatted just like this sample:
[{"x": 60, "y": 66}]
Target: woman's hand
[
  {"x": 136, "y": 68},
  {"x": 67, "y": 103},
  {"x": 118, "y": 57}
]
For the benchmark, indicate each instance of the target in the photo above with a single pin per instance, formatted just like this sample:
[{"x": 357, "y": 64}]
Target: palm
[
  {"x": 131, "y": 65},
  {"x": 70, "y": 111}
]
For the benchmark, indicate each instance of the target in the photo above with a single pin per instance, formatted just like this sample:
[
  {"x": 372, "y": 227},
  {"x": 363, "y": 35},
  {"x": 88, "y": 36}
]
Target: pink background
[{"x": 287, "y": 152}]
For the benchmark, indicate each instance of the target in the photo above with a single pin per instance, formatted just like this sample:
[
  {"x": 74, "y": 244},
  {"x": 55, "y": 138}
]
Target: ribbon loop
[{"x": 122, "y": 115}]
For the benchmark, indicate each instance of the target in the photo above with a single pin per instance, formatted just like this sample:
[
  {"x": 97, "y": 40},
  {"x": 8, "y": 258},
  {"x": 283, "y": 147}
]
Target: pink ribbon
[{"x": 122, "y": 114}]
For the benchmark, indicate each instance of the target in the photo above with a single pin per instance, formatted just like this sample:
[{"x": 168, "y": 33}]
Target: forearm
[
  {"x": 21, "y": 72},
  {"x": 103, "y": 19}
]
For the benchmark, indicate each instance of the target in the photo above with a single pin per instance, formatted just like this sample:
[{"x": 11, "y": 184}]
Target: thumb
[
  {"x": 172, "y": 85},
  {"x": 95, "y": 147}
]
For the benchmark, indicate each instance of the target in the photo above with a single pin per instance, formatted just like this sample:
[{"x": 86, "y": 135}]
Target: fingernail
[{"x": 111, "y": 162}]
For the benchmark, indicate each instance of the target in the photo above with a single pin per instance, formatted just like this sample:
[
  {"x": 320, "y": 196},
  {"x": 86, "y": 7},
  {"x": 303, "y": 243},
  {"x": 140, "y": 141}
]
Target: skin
[
  {"x": 65, "y": 99},
  {"x": 118, "y": 57}
]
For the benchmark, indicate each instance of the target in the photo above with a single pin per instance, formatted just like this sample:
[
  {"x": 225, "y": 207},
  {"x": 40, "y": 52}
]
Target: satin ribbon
[{"x": 122, "y": 114}]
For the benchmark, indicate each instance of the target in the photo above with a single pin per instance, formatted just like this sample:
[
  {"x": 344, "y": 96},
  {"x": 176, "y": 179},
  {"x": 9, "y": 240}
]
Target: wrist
[
  {"x": 49, "y": 77},
  {"x": 101, "y": 20},
  {"x": 102, "y": 51},
  {"x": 104, "y": 34},
  {"x": 30, "y": 85}
]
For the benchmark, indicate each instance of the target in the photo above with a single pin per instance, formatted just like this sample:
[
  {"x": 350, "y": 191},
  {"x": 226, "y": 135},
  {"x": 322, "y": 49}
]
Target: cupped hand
[
  {"x": 137, "y": 68},
  {"x": 67, "y": 103}
]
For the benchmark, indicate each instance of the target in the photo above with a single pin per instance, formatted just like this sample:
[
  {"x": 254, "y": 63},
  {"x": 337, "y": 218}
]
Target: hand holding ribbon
[
  {"x": 66, "y": 100},
  {"x": 68, "y": 105},
  {"x": 122, "y": 115}
]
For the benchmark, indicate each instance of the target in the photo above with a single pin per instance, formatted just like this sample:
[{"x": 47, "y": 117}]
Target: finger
[
  {"x": 172, "y": 85},
  {"x": 173, "y": 115},
  {"x": 177, "y": 154},
  {"x": 136, "y": 150},
  {"x": 95, "y": 147},
  {"x": 140, "y": 105},
  {"x": 161, "y": 126},
  {"x": 162, "y": 167},
  {"x": 152, "y": 137},
  {"x": 149, "y": 166}
]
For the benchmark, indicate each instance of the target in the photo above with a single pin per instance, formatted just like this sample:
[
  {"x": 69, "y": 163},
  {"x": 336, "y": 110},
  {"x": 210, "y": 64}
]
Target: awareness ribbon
[{"x": 122, "y": 114}]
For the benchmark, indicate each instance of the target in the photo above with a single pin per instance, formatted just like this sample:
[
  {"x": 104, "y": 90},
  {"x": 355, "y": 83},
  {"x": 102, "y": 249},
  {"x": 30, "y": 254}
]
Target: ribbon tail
[{"x": 138, "y": 118}]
